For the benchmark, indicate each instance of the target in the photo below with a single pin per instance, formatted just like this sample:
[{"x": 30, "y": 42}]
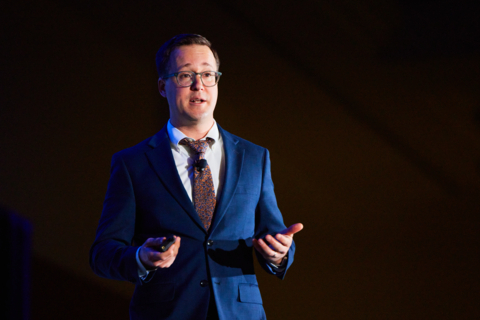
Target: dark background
[{"x": 370, "y": 110}]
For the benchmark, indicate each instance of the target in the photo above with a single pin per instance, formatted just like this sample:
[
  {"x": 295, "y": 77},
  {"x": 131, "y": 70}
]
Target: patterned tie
[{"x": 203, "y": 189}]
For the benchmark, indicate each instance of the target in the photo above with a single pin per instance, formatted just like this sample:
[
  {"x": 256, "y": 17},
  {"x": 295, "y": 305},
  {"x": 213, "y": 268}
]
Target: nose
[{"x": 197, "y": 83}]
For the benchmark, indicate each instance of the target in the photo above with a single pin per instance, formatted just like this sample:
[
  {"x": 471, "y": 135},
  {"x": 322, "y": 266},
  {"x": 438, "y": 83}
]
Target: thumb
[
  {"x": 294, "y": 228},
  {"x": 152, "y": 242}
]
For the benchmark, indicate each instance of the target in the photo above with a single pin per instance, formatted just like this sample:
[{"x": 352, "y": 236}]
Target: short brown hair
[{"x": 163, "y": 55}]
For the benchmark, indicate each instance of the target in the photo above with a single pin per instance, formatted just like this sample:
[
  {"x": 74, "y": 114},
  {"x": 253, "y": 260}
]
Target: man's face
[{"x": 195, "y": 104}]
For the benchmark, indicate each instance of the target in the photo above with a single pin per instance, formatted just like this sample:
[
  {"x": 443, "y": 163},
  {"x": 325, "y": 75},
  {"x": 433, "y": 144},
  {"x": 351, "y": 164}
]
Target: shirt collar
[{"x": 176, "y": 135}]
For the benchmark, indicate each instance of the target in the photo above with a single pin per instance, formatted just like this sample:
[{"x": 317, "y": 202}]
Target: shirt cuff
[
  {"x": 281, "y": 267},
  {"x": 142, "y": 272}
]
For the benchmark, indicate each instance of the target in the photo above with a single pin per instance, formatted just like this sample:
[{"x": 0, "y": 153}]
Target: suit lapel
[
  {"x": 161, "y": 159},
  {"x": 233, "y": 168}
]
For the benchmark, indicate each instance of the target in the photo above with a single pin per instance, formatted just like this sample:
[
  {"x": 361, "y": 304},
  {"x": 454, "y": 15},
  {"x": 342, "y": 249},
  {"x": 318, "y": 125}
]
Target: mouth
[{"x": 197, "y": 100}]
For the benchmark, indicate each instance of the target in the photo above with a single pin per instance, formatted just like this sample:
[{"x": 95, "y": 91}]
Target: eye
[
  {"x": 208, "y": 74},
  {"x": 184, "y": 76}
]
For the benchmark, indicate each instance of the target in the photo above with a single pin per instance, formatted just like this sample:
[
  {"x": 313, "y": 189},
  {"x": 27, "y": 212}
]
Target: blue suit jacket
[{"x": 145, "y": 198}]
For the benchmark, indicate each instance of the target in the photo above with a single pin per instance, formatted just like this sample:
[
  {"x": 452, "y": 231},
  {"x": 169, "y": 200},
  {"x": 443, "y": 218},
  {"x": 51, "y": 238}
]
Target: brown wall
[{"x": 382, "y": 132}]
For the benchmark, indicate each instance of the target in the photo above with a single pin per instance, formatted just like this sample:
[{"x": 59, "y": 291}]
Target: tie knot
[{"x": 199, "y": 146}]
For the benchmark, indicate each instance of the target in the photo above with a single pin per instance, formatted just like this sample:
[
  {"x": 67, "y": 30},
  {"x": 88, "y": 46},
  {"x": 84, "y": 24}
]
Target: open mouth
[{"x": 197, "y": 100}]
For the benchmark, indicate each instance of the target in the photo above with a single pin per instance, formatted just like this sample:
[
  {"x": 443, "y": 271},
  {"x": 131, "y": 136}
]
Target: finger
[
  {"x": 263, "y": 247},
  {"x": 156, "y": 256},
  {"x": 168, "y": 257},
  {"x": 265, "y": 250},
  {"x": 165, "y": 264},
  {"x": 147, "y": 249},
  {"x": 154, "y": 242},
  {"x": 160, "y": 259},
  {"x": 284, "y": 240},
  {"x": 152, "y": 254},
  {"x": 148, "y": 242},
  {"x": 173, "y": 250},
  {"x": 294, "y": 228},
  {"x": 256, "y": 245},
  {"x": 276, "y": 245},
  {"x": 177, "y": 243}
]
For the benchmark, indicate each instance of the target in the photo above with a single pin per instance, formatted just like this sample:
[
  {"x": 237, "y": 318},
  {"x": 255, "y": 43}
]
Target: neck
[{"x": 194, "y": 131}]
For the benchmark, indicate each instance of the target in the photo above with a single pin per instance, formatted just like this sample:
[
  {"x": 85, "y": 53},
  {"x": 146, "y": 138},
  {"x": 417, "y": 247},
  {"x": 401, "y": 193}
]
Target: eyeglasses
[{"x": 185, "y": 78}]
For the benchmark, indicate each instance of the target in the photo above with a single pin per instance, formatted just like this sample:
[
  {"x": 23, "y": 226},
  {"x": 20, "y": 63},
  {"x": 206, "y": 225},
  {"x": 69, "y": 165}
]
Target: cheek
[
  {"x": 175, "y": 98},
  {"x": 171, "y": 99},
  {"x": 214, "y": 96}
]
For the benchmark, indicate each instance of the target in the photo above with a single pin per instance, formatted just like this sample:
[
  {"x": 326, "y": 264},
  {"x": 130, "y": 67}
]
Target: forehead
[{"x": 192, "y": 56}]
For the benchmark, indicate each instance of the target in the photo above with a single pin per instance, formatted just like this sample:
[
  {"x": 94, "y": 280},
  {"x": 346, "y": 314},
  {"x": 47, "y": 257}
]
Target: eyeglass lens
[{"x": 185, "y": 78}]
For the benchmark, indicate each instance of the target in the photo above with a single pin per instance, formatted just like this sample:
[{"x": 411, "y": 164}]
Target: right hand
[{"x": 152, "y": 258}]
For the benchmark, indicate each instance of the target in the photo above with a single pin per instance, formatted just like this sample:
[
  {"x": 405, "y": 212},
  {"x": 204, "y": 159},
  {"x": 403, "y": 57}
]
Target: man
[{"x": 203, "y": 188}]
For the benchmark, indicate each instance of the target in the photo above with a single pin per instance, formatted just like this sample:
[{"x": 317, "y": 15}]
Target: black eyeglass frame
[{"x": 217, "y": 77}]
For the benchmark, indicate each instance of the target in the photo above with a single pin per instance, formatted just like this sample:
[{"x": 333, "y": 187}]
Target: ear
[{"x": 161, "y": 87}]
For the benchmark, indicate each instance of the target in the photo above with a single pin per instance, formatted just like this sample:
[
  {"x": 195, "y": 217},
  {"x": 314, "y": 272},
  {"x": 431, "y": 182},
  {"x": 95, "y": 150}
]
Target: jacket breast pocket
[
  {"x": 153, "y": 293},
  {"x": 249, "y": 293}
]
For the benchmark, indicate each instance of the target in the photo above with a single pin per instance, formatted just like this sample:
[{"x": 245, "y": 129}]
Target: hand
[
  {"x": 152, "y": 258},
  {"x": 275, "y": 248}
]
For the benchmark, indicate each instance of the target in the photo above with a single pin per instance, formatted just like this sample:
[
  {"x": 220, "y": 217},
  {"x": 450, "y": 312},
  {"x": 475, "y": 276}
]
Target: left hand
[{"x": 273, "y": 249}]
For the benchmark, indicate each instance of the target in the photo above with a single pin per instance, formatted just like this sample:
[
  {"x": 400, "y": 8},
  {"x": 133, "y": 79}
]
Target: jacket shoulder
[
  {"x": 140, "y": 148},
  {"x": 242, "y": 142},
  {"x": 133, "y": 151}
]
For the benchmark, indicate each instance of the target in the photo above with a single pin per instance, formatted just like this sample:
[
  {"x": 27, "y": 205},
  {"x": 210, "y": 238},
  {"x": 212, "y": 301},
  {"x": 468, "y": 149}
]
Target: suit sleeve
[
  {"x": 268, "y": 219},
  {"x": 112, "y": 254}
]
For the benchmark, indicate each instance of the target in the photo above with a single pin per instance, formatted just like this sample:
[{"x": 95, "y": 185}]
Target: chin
[{"x": 200, "y": 116}]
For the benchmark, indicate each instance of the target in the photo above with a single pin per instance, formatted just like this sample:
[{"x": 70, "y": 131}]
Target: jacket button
[
  {"x": 204, "y": 283},
  {"x": 209, "y": 242}
]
